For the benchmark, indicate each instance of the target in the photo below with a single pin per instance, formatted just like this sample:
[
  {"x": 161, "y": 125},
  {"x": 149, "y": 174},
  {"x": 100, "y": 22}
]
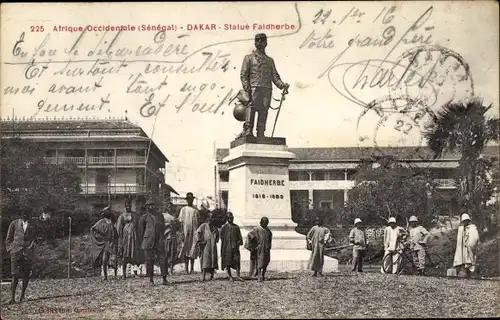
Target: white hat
[
  {"x": 413, "y": 218},
  {"x": 465, "y": 216},
  {"x": 357, "y": 220},
  {"x": 392, "y": 219}
]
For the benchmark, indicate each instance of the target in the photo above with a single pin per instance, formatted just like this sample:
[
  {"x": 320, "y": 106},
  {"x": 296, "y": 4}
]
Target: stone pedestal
[{"x": 258, "y": 187}]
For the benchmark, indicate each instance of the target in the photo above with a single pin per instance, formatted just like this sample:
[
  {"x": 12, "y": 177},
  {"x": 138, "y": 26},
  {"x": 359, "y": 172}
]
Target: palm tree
[{"x": 465, "y": 128}]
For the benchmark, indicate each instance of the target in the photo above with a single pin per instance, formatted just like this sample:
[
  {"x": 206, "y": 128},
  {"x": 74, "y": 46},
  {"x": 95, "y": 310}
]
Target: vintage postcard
[{"x": 334, "y": 159}]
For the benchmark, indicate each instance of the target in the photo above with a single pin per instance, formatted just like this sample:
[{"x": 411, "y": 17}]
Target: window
[
  {"x": 351, "y": 174},
  {"x": 224, "y": 176},
  {"x": 298, "y": 176},
  {"x": 442, "y": 173},
  {"x": 319, "y": 175},
  {"x": 336, "y": 175},
  {"x": 50, "y": 153},
  {"x": 75, "y": 153},
  {"x": 225, "y": 197},
  {"x": 103, "y": 153},
  {"x": 326, "y": 204},
  {"x": 293, "y": 176}
]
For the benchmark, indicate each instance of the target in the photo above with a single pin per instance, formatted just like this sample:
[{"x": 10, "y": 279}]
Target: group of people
[
  {"x": 416, "y": 237},
  {"x": 152, "y": 238}
]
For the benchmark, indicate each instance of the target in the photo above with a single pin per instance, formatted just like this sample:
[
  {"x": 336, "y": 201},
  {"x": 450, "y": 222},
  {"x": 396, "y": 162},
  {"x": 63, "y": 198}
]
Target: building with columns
[
  {"x": 115, "y": 158},
  {"x": 322, "y": 177}
]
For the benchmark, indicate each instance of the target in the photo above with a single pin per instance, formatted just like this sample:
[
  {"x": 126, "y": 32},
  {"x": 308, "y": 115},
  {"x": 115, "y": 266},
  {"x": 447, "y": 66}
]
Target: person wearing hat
[
  {"x": 189, "y": 217},
  {"x": 419, "y": 237},
  {"x": 104, "y": 241},
  {"x": 258, "y": 73},
  {"x": 357, "y": 237},
  {"x": 467, "y": 243},
  {"x": 151, "y": 228},
  {"x": 393, "y": 238},
  {"x": 318, "y": 237},
  {"x": 230, "y": 234}
]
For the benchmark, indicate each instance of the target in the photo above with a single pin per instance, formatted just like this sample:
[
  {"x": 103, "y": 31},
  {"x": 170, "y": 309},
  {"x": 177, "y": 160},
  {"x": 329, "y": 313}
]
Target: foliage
[
  {"x": 58, "y": 225},
  {"x": 330, "y": 217},
  {"x": 384, "y": 188},
  {"x": 464, "y": 127},
  {"x": 28, "y": 182},
  {"x": 219, "y": 217}
]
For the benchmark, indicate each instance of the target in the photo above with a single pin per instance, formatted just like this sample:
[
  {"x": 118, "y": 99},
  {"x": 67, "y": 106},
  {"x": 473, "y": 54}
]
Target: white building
[{"x": 322, "y": 177}]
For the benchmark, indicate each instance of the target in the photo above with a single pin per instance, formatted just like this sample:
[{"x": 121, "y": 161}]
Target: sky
[{"x": 338, "y": 57}]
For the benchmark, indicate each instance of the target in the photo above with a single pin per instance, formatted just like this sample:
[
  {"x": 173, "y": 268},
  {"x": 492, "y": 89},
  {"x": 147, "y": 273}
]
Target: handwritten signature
[{"x": 381, "y": 73}]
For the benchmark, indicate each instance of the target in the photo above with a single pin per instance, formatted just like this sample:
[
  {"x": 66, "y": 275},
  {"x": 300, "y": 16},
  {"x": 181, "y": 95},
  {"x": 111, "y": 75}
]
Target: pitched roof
[
  {"x": 76, "y": 128},
  {"x": 68, "y": 124},
  {"x": 169, "y": 188},
  {"x": 356, "y": 153}
]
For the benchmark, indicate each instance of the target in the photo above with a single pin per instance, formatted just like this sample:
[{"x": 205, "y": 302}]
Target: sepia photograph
[{"x": 250, "y": 160}]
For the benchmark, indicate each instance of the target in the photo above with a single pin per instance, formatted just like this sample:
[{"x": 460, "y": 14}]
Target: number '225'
[{"x": 36, "y": 28}]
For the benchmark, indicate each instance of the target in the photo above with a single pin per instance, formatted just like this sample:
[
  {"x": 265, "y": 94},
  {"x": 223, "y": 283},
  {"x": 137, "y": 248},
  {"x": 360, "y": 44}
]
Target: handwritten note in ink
[{"x": 359, "y": 73}]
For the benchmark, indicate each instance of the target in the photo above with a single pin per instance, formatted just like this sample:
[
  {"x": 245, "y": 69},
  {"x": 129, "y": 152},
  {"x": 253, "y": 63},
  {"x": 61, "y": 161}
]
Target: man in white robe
[
  {"x": 467, "y": 243},
  {"x": 190, "y": 220}
]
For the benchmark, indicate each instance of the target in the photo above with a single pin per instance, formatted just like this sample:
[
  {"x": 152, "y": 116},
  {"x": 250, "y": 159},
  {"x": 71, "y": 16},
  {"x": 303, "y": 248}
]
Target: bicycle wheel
[
  {"x": 434, "y": 265},
  {"x": 388, "y": 264}
]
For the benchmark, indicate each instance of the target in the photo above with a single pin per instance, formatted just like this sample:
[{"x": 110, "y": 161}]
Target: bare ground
[{"x": 295, "y": 295}]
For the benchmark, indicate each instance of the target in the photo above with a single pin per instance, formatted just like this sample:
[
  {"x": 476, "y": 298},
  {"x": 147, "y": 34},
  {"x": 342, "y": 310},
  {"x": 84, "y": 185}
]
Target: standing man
[
  {"x": 128, "y": 243},
  {"x": 263, "y": 238},
  {"x": 419, "y": 236},
  {"x": 151, "y": 227},
  {"x": 189, "y": 218},
  {"x": 230, "y": 249},
  {"x": 19, "y": 243},
  {"x": 207, "y": 236},
  {"x": 258, "y": 73},
  {"x": 170, "y": 235},
  {"x": 317, "y": 237},
  {"x": 467, "y": 243},
  {"x": 393, "y": 237},
  {"x": 104, "y": 241},
  {"x": 357, "y": 238}
]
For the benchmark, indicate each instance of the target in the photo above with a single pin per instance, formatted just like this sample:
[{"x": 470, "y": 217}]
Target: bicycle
[{"x": 434, "y": 264}]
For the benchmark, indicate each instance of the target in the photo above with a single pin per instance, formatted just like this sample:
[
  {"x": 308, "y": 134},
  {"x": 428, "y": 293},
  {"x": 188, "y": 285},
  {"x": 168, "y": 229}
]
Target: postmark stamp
[
  {"x": 435, "y": 75},
  {"x": 402, "y": 117},
  {"x": 432, "y": 76}
]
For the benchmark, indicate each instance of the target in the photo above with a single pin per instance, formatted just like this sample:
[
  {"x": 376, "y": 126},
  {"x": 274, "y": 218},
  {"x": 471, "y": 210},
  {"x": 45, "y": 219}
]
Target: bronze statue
[{"x": 258, "y": 73}]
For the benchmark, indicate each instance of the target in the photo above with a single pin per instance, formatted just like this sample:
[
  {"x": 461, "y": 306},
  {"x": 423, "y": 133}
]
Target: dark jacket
[
  {"x": 258, "y": 70},
  {"x": 151, "y": 231},
  {"x": 17, "y": 239}
]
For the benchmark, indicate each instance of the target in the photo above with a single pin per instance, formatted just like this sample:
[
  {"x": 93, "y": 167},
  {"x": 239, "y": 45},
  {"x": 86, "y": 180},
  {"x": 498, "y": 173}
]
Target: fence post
[{"x": 69, "y": 249}]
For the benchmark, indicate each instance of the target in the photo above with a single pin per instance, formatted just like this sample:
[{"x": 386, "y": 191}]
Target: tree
[
  {"x": 464, "y": 127},
  {"x": 384, "y": 188},
  {"x": 29, "y": 182}
]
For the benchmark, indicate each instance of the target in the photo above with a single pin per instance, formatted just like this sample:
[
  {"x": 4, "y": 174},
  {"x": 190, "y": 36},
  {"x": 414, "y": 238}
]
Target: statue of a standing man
[{"x": 258, "y": 73}]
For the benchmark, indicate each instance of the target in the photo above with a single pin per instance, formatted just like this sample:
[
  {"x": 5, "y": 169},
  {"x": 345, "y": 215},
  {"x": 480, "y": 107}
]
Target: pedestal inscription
[{"x": 258, "y": 187}]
